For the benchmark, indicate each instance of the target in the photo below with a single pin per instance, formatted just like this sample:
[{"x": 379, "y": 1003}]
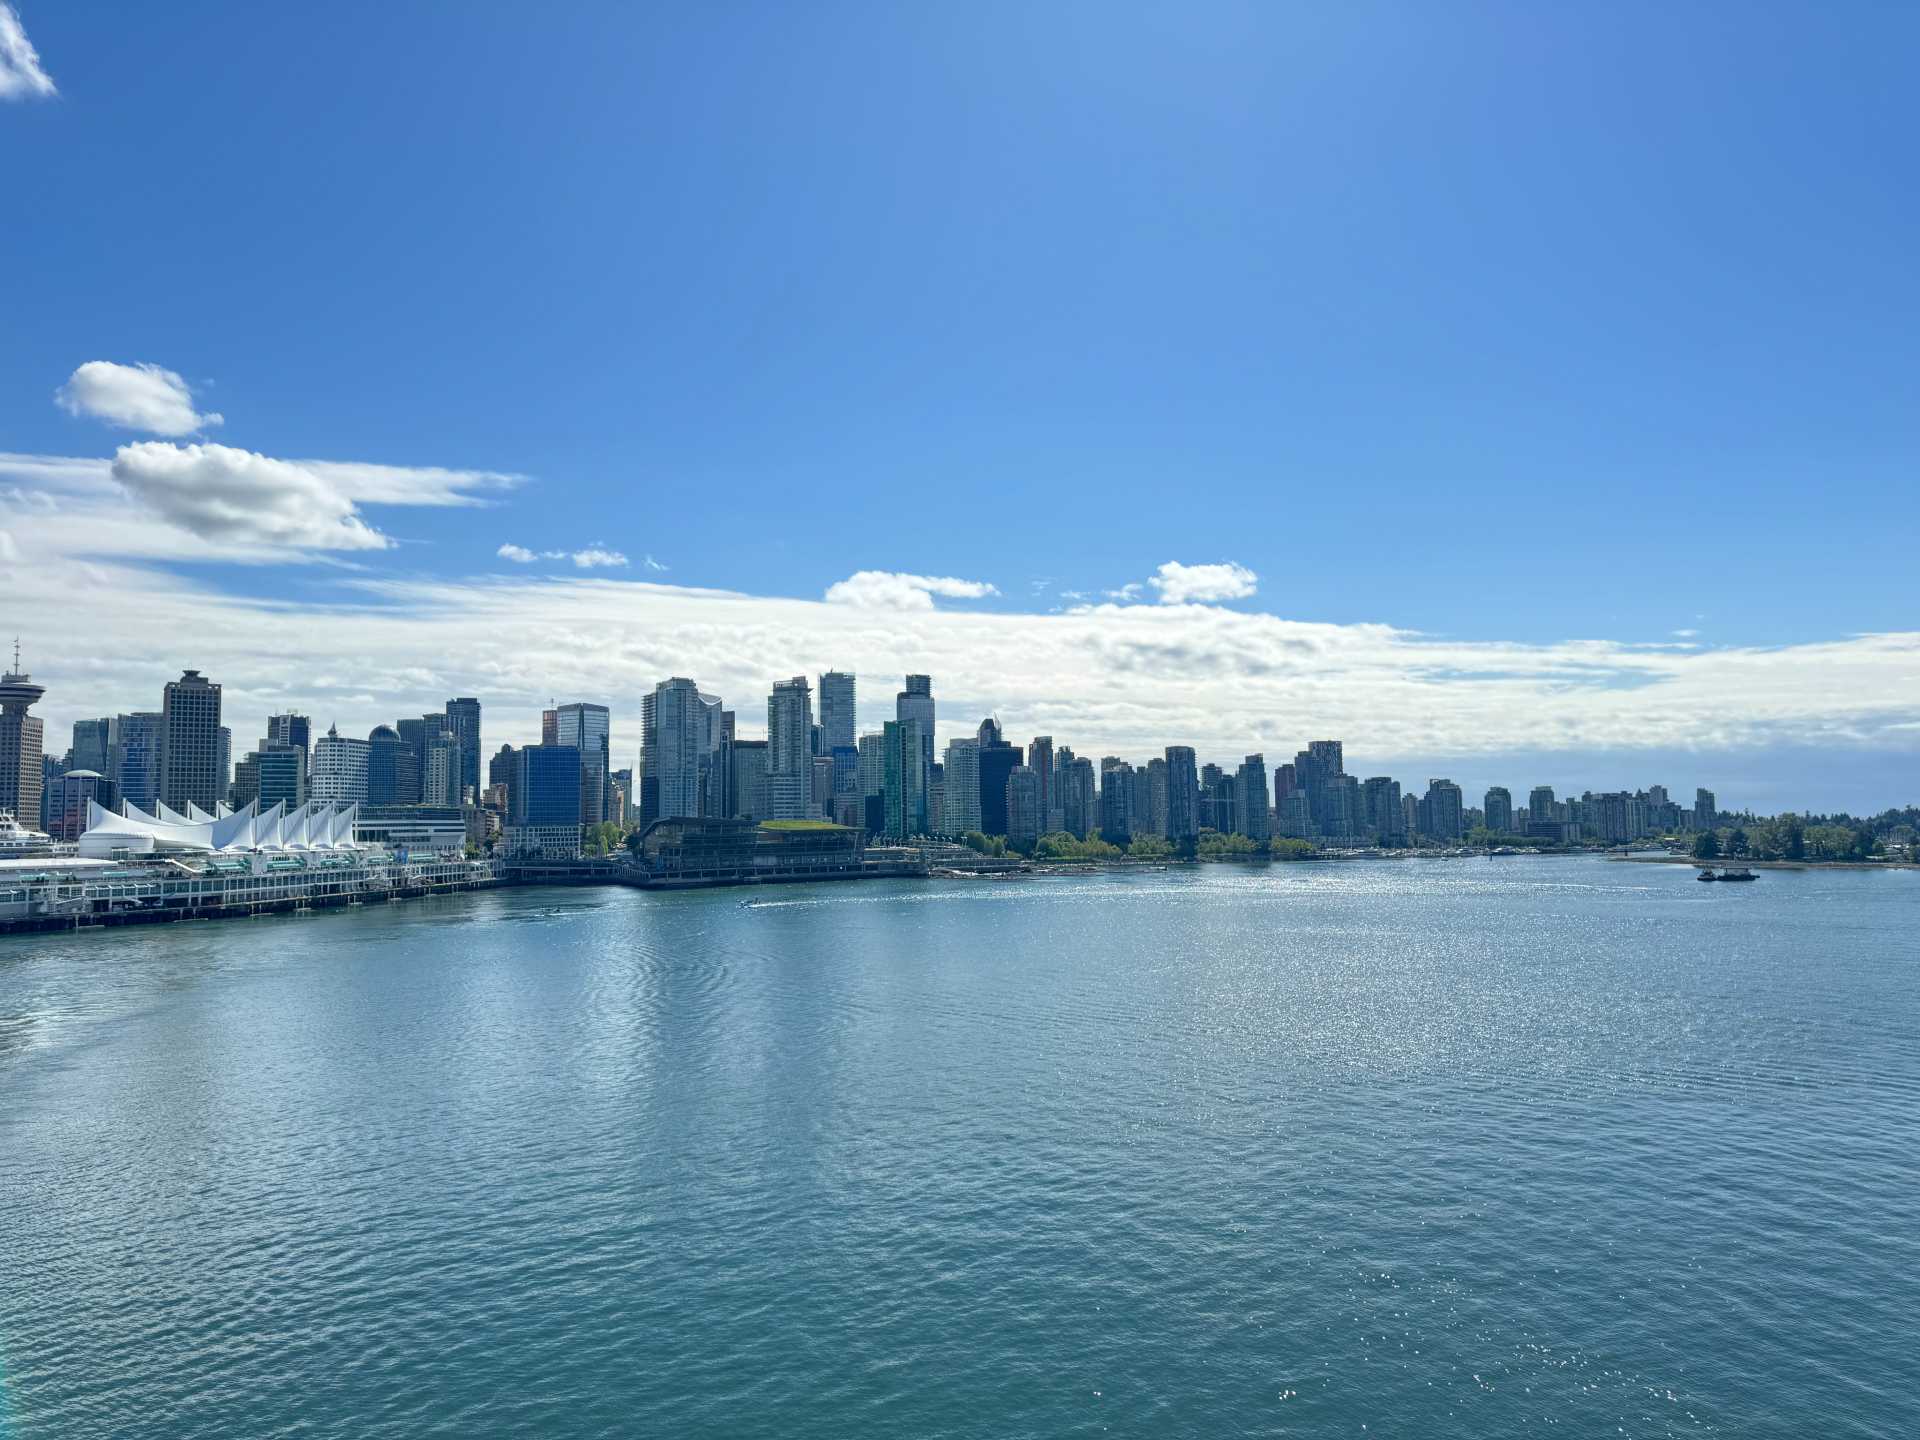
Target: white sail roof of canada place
[{"x": 314, "y": 826}]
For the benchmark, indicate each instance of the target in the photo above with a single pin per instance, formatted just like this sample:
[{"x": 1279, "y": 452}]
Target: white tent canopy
[{"x": 244, "y": 831}]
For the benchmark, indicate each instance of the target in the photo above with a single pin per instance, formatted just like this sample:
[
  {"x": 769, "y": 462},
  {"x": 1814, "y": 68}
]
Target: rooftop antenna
[{"x": 16, "y": 654}]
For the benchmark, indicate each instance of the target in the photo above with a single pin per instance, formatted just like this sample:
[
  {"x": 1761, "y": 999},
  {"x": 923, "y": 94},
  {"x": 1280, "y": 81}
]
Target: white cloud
[
  {"x": 1203, "y": 584},
  {"x": 596, "y": 557},
  {"x": 519, "y": 554},
  {"x": 653, "y": 564},
  {"x": 891, "y": 590},
  {"x": 223, "y": 494},
  {"x": 133, "y": 397},
  {"x": 1685, "y": 634},
  {"x": 21, "y": 77},
  {"x": 8, "y": 550},
  {"x": 409, "y": 484},
  {"x": 1127, "y": 592}
]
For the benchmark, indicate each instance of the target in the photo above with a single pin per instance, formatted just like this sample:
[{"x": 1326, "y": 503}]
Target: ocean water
[{"x": 1480, "y": 1148}]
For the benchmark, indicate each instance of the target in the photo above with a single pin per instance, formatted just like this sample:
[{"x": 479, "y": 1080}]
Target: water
[{"x": 1477, "y": 1148}]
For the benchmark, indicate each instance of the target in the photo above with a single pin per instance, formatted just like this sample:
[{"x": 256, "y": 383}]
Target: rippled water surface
[{"x": 1487, "y": 1148}]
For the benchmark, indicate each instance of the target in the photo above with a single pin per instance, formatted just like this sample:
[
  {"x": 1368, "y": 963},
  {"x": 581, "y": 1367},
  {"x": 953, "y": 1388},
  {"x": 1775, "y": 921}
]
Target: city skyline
[{"x": 1523, "y": 429}]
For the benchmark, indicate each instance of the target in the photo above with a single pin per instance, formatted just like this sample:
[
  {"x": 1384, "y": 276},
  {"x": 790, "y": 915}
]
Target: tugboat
[{"x": 1707, "y": 874}]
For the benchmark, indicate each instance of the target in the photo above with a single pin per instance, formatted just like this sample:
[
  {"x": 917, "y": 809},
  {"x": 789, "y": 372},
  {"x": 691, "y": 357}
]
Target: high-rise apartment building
[
  {"x": 1183, "y": 795},
  {"x": 1705, "y": 812},
  {"x": 790, "y": 751},
  {"x": 961, "y": 809},
  {"x": 1079, "y": 806},
  {"x": 1540, "y": 808},
  {"x": 190, "y": 769},
  {"x": 747, "y": 780},
  {"x": 1442, "y": 811},
  {"x": 1498, "y": 807},
  {"x": 1023, "y": 805},
  {"x": 1381, "y": 810},
  {"x": 682, "y": 746},
  {"x": 837, "y": 729},
  {"x": 1040, "y": 761},
  {"x": 1250, "y": 786},
  {"x": 904, "y": 782},
  {"x": 1116, "y": 800},
  {"x": 915, "y": 703}
]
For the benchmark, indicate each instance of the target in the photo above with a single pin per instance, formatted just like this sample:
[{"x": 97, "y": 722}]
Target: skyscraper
[
  {"x": 587, "y": 727},
  {"x": 290, "y": 730},
  {"x": 790, "y": 750},
  {"x": 89, "y": 750},
  {"x": 1116, "y": 800},
  {"x": 961, "y": 811},
  {"x": 1040, "y": 761},
  {"x": 1441, "y": 811},
  {"x": 1183, "y": 794},
  {"x": 682, "y": 741},
  {"x": 1250, "y": 784},
  {"x": 1023, "y": 805},
  {"x": 133, "y": 757},
  {"x": 837, "y": 712},
  {"x": 190, "y": 743},
  {"x": 997, "y": 758},
  {"x": 384, "y": 764},
  {"x": 1381, "y": 810},
  {"x": 1540, "y": 804},
  {"x": 916, "y": 703},
  {"x": 1498, "y": 806},
  {"x": 22, "y": 745},
  {"x": 463, "y": 720},
  {"x": 904, "y": 782}
]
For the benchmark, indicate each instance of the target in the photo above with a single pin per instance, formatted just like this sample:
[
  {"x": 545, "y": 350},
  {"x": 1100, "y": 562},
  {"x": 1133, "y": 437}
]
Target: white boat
[{"x": 17, "y": 842}]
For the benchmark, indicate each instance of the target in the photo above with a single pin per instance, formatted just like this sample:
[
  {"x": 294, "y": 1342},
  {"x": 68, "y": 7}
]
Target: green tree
[
  {"x": 1737, "y": 843},
  {"x": 1706, "y": 845},
  {"x": 1149, "y": 847}
]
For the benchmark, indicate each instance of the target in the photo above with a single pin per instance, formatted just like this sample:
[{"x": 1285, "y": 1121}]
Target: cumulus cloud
[
  {"x": 133, "y": 397},
  {"x": 1202, "y": 584},
  {"x": 519, "y": 554},
  {"x": 21, "y": 76},
  {"x": 891, "y": 590},
  {"x": 597, "y": 557},
  {"x": 223, "y": 494}
]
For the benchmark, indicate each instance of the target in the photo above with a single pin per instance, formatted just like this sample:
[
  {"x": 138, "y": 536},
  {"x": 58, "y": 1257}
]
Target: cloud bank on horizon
[{"x": 80, "y": 553}]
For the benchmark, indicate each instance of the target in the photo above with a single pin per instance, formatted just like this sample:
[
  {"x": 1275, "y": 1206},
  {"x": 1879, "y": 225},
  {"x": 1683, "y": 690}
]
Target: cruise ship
[{"x": 17, "y": 841}]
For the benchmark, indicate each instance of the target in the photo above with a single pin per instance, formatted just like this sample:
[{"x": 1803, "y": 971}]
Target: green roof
[{"x": 800, "y": 825}]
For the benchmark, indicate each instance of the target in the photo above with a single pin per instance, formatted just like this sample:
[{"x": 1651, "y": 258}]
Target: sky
[{"x": 1526, "y": 394}]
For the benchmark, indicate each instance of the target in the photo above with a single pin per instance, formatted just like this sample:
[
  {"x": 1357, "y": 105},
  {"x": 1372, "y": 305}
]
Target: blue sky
[{"x": 1508, "y": 324}]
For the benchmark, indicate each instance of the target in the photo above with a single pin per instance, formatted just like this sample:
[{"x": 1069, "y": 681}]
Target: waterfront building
[
  {"x": 682, "y": 745},
  {"x": 339, "y": 769},
  {"x": 190, "y": 770},
  {"x": 416, "y": 829},
  {"x": 1705, "y": 810},
  {"x": 1250, "y": 788},
  {"x": 1023, "y": 805},
  {"x": 90, "y": 745},
  {"x": 1219, "y": 802},
  {"x": 463, "y": 722},
  {"x": 545, "y": 819},
  {"x": 1442, "y": 814},
  {"x": 790, "y": 751},
  {"x": 1183, "y": 794},
  {"x": 1498, "y": 807},
  {"x": 133, "y": 757},
  {"x": 587, "y": 727},
  {"x": 1615, "y": 816},
  {"x": 1296, "y": 816},
  {"x": 22, "y": 746},
  {"x": 1342, "y": 808},
  {"x": 68, "y": 800},
  {"x": 1380, "y": 808},
  {"x": 837, "y": 729},
  {"x": 746, "y": 780},
  {"x": 904, "y": 779}
]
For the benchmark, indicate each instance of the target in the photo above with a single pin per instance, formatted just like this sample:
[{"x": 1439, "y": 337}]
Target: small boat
[{"x": 1706, "y": 875}]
